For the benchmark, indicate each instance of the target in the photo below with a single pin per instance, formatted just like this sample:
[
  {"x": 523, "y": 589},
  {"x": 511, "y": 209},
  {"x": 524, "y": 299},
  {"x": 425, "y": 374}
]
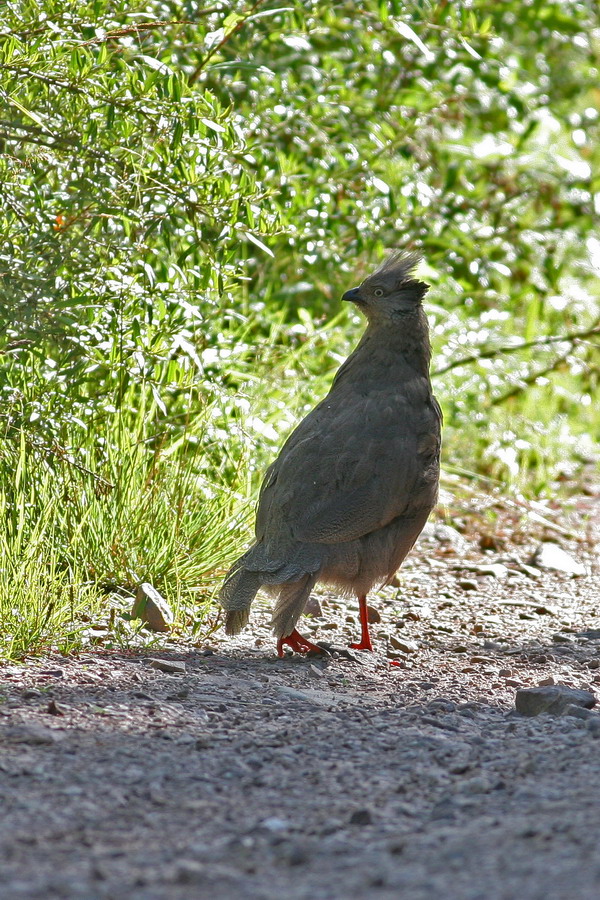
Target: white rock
[
  {"x": 274, "y": 823},
  {"x": 443, "y": 534},
  {"x": 496, "y": 570},
  {"x": 552, "y": 557}
]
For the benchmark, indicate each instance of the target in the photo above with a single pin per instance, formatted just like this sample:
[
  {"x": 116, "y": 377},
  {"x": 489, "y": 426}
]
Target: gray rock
[
  {"x": 29, "y": 734},
  {"x": 293, "y": 853},
  {"x": 293, "y": 694},
  {"x": 373, "y": 615},
  {"x": 312, "y": 607},
  {"x": 553, "y": 699},
  {"x": 593, "y": 726},
  {"x": 173, "y": 666},
  {"x": 496, "y": 570},
  {"x": 403, "y": 644},
  {"x": 445, "y": 534},
  {"x": 274, "y": 823},
  {"x": 579, "y": 712},
  {"x": 479, "y": 784},
  {"x": 33, "y": 694},
  {"x": 550, "y": 556},
  {"x": 152, "y": 608},
  {"x": 189, "y": 871}
]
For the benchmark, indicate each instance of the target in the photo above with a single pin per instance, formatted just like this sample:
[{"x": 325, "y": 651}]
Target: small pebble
[
  {"x": 405, "y": 646},
  {"x": 54, "y": 709},
  {"x": 468, "y": 584},
  {"x": 412, "y": 616},
  {"x": 361, "y": 817},
  {"x": 167, "y": 665},
  {"x": 274, "y": 823},
  {"x": 312, "y": 607}
]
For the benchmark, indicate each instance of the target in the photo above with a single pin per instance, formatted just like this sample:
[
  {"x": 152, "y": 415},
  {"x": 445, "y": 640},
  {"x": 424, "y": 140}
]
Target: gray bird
[{"x": 354, "y": 483}]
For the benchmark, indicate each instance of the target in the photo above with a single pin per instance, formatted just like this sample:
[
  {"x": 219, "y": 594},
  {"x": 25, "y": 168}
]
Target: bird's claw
[
  {"x": 363, "y": 645},
  {"x": 298, "y": 644}
]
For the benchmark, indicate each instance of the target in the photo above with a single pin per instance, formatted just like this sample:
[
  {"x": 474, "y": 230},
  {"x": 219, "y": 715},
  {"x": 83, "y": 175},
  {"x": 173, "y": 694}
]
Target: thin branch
[
  {"x": 547, "y": 340},
  {"x": 145, "y": 26},
  {"x": 227, "y": 37},
  {"x": 490, "y": 499},
  {"x": 60, "y": 452},
  {"x": 116, "y": 32},
  {"x": 531, "y": 379}
]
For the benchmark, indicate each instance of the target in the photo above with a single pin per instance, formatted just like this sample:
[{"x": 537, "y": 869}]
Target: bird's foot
[
  {"x": 298, "y": 644},
  {"x": 365, "y": 637},
  {"x": 363, "y": 644}
]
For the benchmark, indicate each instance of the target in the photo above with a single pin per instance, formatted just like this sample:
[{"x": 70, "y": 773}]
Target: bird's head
[{"x": 390, "y": 293}]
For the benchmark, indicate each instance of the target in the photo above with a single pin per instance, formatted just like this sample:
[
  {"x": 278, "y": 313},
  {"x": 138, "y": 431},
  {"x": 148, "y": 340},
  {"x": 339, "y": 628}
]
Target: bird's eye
[{"x": 378, "y": 292}]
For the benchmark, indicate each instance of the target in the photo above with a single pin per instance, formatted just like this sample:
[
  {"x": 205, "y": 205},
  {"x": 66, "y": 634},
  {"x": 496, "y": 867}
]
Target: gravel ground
[{"x": 402, "y": 773}]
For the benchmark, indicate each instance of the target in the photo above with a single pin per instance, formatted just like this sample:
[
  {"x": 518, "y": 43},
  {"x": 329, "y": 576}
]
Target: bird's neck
[{"x": 406, "y": 340}]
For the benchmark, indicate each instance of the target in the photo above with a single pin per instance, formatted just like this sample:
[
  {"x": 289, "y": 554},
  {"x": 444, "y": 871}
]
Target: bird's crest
[{"x": 396, "y": 267}]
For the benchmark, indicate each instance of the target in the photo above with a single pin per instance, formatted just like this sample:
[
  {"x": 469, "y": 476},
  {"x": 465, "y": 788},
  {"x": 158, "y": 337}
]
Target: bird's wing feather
[{"x": 327, "y": 489}]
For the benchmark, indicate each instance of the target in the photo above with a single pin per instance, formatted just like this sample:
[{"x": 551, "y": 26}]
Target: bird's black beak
[{"x": 353, "y": 296}]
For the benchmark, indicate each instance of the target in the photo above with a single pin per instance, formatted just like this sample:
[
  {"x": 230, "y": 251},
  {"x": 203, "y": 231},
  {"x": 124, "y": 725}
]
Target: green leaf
[
  {"x": 29, "y": 113},
  {"x": 258, "y": 243}
]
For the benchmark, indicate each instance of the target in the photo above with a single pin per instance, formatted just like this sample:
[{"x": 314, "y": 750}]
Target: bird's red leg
[
  {"x": 298, "y": 644},
  {"x": 365, "y": 637}
]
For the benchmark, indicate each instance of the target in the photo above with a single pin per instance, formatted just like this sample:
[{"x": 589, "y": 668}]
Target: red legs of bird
[
  {"x": 365, "y": 637},
  {"x": 298, "y": 644}
]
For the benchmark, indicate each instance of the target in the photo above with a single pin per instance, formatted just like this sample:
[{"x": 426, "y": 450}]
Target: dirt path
[{"x": 248, "y": 776}]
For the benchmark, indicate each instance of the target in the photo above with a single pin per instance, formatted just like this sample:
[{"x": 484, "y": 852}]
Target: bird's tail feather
[
  {"x": 290, "y": 604},
  {"x": 235, "y": 620},
  {"x": 239, "y": 590}
]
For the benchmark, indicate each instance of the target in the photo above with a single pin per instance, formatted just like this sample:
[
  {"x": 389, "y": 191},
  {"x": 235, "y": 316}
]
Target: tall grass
[
  {"x": 82, "y": 527},
  {"x": 139, "y": 495}
]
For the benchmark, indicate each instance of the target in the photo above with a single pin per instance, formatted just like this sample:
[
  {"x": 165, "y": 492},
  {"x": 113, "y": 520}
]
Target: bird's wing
[{"x": 350, "y": 468}]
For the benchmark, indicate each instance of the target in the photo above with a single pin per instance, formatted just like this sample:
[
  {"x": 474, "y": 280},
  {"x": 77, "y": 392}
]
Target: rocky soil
[{"x": 224, "y": 772}]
